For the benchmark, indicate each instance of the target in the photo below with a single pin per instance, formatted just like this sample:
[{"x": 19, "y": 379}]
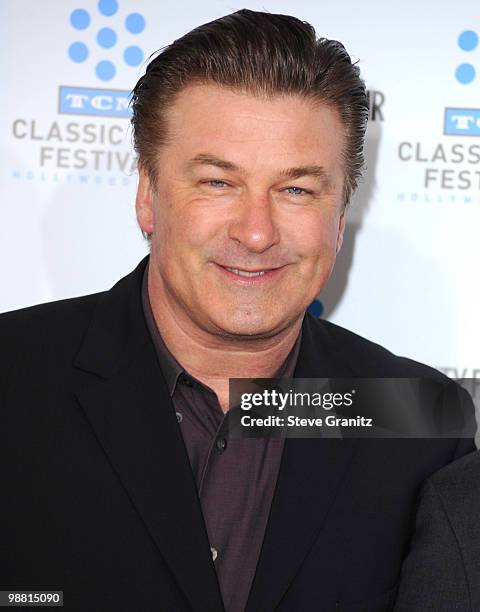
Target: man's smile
[{"x": 250, "y": 277}]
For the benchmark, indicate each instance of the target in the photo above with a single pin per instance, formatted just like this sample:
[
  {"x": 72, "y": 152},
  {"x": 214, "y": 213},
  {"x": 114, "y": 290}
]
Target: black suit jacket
[
  {"x": 442, "y": 570},
  {"x": 98, "y": 498}
]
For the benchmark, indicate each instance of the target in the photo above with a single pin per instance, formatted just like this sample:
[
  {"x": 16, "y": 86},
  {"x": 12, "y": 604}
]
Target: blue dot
[
  {"x": 80, "y": 19},
  {"x": 108, "y": 7},
  {"x": 468, "y": 40},
  {"x": 106, "y": 38},
  {"x": 135, "y": 23},
  {"x": 105, "y": 70},
  {"x": 465, "y": 73},
  {"x": 316, "y": 308},
  {"x": 78, "y": 52},
  {"x": 133, "y": 56}
]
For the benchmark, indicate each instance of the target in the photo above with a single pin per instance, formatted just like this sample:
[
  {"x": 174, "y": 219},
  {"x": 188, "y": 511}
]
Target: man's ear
[
  {"x": 341, "y": 230},
  {"x": 144, "y": 201}
]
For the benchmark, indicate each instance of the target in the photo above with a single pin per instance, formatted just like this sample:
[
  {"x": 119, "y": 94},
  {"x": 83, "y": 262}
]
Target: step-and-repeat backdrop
[{"x": 407, "y": 276}]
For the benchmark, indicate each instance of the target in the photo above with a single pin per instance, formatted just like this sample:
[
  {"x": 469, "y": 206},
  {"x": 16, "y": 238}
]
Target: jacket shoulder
[
  {"x": 462, "y": 477},
  {"x": 55, "y": 322},
  {"x": 457, "y": 492},
  {"x": 372, "y": 358}
]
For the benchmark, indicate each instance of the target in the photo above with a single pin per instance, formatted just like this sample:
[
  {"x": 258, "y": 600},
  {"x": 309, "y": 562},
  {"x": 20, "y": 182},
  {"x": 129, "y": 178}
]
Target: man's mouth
[
  {"x": 247, "y": 273},
  {"x": 257, "y": 277}
]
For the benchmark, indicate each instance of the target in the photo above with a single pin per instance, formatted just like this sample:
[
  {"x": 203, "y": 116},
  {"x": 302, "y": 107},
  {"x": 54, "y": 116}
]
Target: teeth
[{"x": 244, "y": 273}]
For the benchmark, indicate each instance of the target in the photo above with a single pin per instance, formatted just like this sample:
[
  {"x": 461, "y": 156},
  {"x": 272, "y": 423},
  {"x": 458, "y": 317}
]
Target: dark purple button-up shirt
[{"x": 235, "y": 478}]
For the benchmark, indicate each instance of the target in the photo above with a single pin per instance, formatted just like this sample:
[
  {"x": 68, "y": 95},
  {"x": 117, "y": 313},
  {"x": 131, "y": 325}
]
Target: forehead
[{"x": 252, "y": 128}]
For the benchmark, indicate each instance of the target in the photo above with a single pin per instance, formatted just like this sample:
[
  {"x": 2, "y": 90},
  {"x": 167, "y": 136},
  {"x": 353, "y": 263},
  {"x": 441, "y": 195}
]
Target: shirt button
[
  {"x": 179, "y": 417},
  {"x": 221, "y": 444},
  {"x": 214, "y": 552},
  {"x": 187, "y": 381}
]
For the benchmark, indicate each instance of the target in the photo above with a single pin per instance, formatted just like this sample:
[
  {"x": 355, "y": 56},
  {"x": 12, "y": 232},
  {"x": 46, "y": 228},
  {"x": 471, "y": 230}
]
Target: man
[{"x": 122, "y": 488}]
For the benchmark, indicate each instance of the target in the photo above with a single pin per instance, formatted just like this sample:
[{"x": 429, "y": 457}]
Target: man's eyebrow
[
  {"x": 203, "y": 159},
  {"x": 316, "y": 171},
  {"x": 289, "y": 173}
]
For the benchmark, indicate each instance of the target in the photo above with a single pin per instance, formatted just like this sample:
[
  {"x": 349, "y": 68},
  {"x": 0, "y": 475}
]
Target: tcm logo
[
  {"x": 115, "y": 46},
  {"x": 462, "y": 122},
  {"x": 90, "y": 101}
]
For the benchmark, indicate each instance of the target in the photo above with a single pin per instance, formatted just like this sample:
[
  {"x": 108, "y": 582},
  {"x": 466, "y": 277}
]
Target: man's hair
[{"x": 262, "y": 54}]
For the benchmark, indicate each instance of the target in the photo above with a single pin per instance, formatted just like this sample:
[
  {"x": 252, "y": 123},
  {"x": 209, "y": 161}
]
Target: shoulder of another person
[
  {"x": 455, "y": 489},
  {"x": 459, "y": 477}
]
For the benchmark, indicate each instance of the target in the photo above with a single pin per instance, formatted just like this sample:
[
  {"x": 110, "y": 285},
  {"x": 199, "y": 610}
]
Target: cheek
[
  {"x": 186, "y": 228},
  {"x": 201, "y": 229},
  {"x": 314, "y": 236}
]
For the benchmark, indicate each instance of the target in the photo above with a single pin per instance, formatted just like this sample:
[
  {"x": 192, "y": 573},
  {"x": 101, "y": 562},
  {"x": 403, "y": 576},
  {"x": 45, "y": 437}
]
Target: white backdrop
[{"x": 407, "y": 276}]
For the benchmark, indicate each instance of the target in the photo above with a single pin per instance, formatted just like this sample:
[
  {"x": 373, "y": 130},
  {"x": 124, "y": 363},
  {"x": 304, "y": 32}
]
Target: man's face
[{"x": 247, "y": 211}]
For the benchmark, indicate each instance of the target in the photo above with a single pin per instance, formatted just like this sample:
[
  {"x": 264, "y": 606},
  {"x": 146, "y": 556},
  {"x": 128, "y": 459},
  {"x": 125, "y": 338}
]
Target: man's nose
[{"x": 255, "y": 225}]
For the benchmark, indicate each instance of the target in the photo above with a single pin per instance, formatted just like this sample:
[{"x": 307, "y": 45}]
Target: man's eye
[
  {"x": 296, "y": 190},
  {"x": 217, "y": 183}
]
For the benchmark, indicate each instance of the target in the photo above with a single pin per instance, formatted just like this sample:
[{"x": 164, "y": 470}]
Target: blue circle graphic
[
  {"x": 135, "y": 23},
  {"x": 468, "y": 40},
  {"x": 316, "y": 308},
  {"x": 108, "y": 7},
  {"x": 105, "y": 70},
  {"x": 78, "y": 52},
  {"x": 80, "y": 19},
  {"x": 465, "y": 73},
  {"x": 133, "y": 56},
  {"x": 106, "y": 38}
]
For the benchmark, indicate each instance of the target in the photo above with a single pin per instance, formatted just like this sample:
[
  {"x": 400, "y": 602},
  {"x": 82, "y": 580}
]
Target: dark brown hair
[{"x": 259, "y": 53}]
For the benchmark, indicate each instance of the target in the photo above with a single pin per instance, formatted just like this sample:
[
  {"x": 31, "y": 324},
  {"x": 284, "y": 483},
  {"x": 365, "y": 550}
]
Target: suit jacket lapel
[
  {"x": 129, "y": 408},
  {"x": 311, "y": 472}
]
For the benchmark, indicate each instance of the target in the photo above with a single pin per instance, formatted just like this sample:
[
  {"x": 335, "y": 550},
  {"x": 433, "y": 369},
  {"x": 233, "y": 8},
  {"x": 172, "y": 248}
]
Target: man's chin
[{"x": 250, "y": 328}]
